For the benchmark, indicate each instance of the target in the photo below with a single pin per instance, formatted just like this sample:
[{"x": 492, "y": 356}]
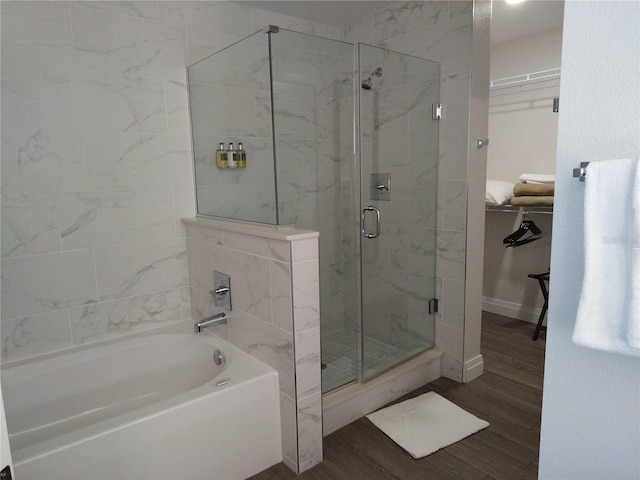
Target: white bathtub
[{"x": 153, "y": 407}]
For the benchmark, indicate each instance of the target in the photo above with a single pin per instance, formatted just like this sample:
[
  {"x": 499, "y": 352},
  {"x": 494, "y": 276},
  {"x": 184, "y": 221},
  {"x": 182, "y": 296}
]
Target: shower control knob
[{"x": 382, "y": 187}]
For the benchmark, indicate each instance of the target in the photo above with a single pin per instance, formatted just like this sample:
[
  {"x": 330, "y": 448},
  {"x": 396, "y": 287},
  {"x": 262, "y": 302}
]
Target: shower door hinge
[
  {"x": 482, "y": 142},
  {"x": 436, "y": 111},
  {"x": 433, "y": 305}
]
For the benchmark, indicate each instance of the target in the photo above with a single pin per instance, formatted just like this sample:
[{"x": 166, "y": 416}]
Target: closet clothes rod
[
  {"x": 537, "y": 212},
  {"x": 581, "y": 172}
]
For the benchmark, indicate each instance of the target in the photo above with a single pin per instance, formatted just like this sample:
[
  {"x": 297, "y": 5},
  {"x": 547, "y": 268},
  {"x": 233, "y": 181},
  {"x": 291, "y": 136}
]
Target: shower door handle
[{"x": 366, "y": 234}]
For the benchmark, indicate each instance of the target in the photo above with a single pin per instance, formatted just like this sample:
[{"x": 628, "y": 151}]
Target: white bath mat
[{"x": 425, "y": 424}]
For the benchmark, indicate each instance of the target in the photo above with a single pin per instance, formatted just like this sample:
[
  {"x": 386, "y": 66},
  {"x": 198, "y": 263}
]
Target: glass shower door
[
  {"x": 399, "y": 157},
  {"x": 313, "y": 123}
]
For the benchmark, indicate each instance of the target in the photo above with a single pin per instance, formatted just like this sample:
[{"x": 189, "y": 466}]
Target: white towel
[
  {"x": 536, "y": 178},
  {"x": 633, "y": 331},
  {"x": 607, "y": 313}
]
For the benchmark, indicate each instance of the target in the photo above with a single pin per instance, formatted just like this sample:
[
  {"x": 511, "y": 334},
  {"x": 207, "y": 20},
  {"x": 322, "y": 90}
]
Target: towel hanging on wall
[
  {"x": 633, "y": 327},
  {"x": 608, "y": 315}
]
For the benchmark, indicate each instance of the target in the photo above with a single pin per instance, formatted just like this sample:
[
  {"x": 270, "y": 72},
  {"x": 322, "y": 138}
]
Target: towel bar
[{"x": 581, "y": 172}]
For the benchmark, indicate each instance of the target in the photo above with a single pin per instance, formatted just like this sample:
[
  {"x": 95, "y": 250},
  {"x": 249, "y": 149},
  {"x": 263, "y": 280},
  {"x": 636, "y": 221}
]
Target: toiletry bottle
[
  {"x": 221, "y": 157},
  {"x": 232, "y": 156},
  {"x": 242, "y": 157}
]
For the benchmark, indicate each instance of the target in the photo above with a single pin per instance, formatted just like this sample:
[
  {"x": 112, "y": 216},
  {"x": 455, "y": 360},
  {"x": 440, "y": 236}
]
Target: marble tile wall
[
  {"x": 439, "y": 31},
  {"x": 96, "y": 162},
  {"x": 96, "y": 173},
  {"x": 275, "y": 316}
]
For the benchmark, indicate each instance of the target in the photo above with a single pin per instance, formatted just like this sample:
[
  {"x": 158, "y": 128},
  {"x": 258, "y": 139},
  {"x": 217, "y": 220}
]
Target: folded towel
[
  {"x": 524, "y": 189},
  {"x": 607, "y": 315},
  {"x": 541, "y": 200},
  {"x": 537, "y": 178}
]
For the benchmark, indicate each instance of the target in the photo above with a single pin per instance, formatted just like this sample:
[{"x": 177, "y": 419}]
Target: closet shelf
[
  {"x": 541, "y": 79},
  {"x": 516, "y": 209}
]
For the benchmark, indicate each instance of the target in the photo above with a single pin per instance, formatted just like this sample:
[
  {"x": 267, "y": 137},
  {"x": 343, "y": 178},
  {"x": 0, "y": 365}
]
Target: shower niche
[{"x": 321, "y": 118}]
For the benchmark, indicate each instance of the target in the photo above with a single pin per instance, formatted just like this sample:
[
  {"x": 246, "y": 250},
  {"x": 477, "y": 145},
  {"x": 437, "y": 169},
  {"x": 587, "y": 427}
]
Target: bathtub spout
[{"x": 208, "y": 321}]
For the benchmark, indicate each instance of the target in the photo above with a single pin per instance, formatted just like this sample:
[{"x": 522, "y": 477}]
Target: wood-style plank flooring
[{"x": 508, "y": 395}]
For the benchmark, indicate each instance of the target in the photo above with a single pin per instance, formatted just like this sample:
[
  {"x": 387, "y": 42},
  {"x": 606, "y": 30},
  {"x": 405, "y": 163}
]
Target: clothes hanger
[{"x": 527, "y": 233}]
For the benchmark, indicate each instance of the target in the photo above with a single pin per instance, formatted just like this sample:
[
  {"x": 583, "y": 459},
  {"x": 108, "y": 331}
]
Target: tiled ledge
[
  {"x": 276, "y": 314},
  {"x": 276, "y": 232}
]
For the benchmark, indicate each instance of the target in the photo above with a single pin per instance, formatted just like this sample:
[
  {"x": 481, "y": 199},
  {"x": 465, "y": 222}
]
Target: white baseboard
[
  {"x": 472, "y": 369},
  {"x": 510, "y": 309}
]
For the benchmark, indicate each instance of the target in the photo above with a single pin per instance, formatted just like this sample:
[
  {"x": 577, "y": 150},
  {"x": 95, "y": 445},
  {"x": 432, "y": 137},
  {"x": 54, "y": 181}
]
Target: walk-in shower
[{"x": 338, "y": 138}]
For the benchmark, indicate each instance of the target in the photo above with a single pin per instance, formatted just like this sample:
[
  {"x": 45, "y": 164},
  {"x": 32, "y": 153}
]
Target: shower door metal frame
[
  {"x": 268, "y": 31},
  {"x": 358, "y": 208}
]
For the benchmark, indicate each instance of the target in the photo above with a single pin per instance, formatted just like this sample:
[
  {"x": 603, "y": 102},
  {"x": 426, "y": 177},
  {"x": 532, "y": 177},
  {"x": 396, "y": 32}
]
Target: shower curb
[{"x": 352, "y": 402}]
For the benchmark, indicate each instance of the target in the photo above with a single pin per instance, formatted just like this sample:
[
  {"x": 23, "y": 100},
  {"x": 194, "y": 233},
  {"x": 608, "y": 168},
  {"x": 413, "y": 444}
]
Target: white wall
[
  {"x": 522, "y": 125},
  {"x": 525, "y": 55},
  {"x": 590, "y": 411}
]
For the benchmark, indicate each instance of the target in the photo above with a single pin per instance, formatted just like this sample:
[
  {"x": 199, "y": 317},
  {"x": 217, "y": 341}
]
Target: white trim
[
  {"x": 510, "y": 309},
  {"x": 473, "y": 369}
]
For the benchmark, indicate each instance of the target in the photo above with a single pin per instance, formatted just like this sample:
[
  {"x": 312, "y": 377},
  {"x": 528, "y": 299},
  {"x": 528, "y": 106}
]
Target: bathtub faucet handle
[
  {"x": 216, "y": 319},
  {"x": 221, "y": 291}
]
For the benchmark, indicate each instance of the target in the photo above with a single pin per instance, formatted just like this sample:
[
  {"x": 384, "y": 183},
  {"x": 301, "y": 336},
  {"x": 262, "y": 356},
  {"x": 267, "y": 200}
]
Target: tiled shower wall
[{"x": 96, "y": 172}]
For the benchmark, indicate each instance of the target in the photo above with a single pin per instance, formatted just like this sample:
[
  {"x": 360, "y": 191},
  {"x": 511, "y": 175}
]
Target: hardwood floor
[{"x": 508, "y": 395}]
